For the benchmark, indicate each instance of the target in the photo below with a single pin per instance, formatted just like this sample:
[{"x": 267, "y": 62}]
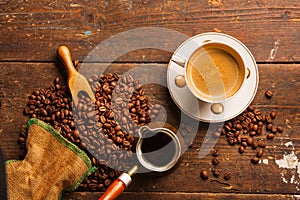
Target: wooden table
[{"x": 31, "y": 31}]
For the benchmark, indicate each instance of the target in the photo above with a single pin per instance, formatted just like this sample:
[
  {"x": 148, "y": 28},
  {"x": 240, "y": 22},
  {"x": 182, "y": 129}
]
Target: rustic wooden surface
[{"x": 32, "y": 30}]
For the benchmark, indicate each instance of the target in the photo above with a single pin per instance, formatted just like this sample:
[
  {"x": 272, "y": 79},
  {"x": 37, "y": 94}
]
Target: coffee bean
[
  {"x": 227, "y": 175},
  {"x": 263, "y": 118},
  {"x": 259, "y": 131},
  {"x": 204, "y": 174},
  {"x": 273, "y": 115},
  {"x": 239, "y": 127},
  {"x": 215, "y": 153},
  {"x": 228, "y": 128},
  {"x": 216, "y": 134},
  {"x": 249, "y": 141},
  {"x": 252, "y": 134},
  {"x": 269, "y": 127},
  {"x": 215, "y": 161},
  {"x": 255, "y": 127},
  {"x": 279, "y": 129},
  {"x": 240, "y": 118},
  {"x": 241, "y": 149},
  {"x": 107, "y": 182},
  {"x": 268, "y": 94},
  {"x": 274, "y": 130},
  {"x": 126, "y": 143},
  {"x": 260, "y": 153},
  {"x": 270, "y": 136},
  {"x": 251, "y": 115},
  {"x": 217, "y": 172},
  {"x": 257, "y": 112},
  {"x": 268, "y": 119},
  {"x": 21, "y": 140},
  {"x": 244, "y": 144},
  {"x": 57, "y": 80},
  {"x": 261, "y": 143},
  {"x": 258, "y": 118},
  {"x": 223, "y": 132},
  {"x": 251, "y": 108},
  {"x": 255, "y": 144},
  {"x": 76, "y": 133},
  {"x": 255, "y": 160}
]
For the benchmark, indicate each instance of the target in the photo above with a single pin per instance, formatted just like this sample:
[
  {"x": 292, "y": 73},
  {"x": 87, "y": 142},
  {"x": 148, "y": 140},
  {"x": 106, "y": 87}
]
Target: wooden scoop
[{"x": 76, "y": 81}]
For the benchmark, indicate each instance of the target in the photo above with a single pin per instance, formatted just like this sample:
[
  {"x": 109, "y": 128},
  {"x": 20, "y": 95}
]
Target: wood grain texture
[
  {"x": 17, "y": 82},
  {"x": 179, "y": 196},
  {"x": 31, "y": 29}
]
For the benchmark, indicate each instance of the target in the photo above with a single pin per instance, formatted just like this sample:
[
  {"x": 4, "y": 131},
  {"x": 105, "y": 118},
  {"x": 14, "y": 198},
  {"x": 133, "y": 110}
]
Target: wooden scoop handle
[{"x": 65, "y": 57}]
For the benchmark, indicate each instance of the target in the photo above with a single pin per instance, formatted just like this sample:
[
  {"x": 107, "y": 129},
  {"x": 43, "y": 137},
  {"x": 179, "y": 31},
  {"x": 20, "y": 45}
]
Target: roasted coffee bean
[
  {"x": 230, "y": 134},
  {"x": 239, "y": 127},
  {"x": 257, "y": 112},
  {"x": 217, "y": 172},
  {"x": 227, "y": 128},
  {"x": 268, "y": 119},
  {"x": 261, "y": 143},
  {"x": 76, "y": 134},
  {"x": 269, "y": 127},
  {"x": 107, "y": 182},
  {"x": 244, "y": 144},
  {"x": 223, "y": 132},
  {"x": 21, "y": 140},
  {"x": 255, "y": 160},
  {"x": 240, "y": 117},
  {"x": 251, "y": 108},
  {"x": 251, "y": 115},
  {"x": 270, "y": 136},
  {"x": 126, "y": 143},
  {"x": 259, "y": 131},
  {"x": 239, "y": 138},
  {"x": 268, "y": 94},
  {"x": 279, "y": 129},
  {"x": 204, "y": 174},
  {"x": 258, "y": 118},
  {"x": 255, "y": 144},
  {"x": 228, "y": 123},
  {"x": 274, "y": 130},
  {"x": 260, "y": 124},
  {"x": 216, "y": 134},
  {"x": 227, "y": 175},
  {"x": 215, "y": 153},
  {"x": 260, "y": 153},
  {"x": 215, "y": 161},
  {"x": 252, "y": 134},
  {"x": 231, "y": 141},
  {"x": 241, "y": 149},
  {"x": 255, "y": 127},
  {"x": 249, "y": 141},
  {"x": 273, "y": 115},
  {"x": 237, "y": 133}
]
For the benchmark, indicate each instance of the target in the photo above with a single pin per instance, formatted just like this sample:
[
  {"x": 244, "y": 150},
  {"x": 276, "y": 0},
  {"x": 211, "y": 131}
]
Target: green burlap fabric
[{"x": 52, "y": 165}]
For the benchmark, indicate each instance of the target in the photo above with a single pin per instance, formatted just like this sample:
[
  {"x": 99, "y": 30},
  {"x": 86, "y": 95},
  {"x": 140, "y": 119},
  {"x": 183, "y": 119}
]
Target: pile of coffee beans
[
  {"x": 100, "y": 128},
  {"x": 243, "y": 129},
  {"x": 250, "y": 130}
]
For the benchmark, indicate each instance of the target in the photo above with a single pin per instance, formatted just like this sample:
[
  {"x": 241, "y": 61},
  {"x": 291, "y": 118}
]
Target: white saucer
[{"x": 200, "y": 110}]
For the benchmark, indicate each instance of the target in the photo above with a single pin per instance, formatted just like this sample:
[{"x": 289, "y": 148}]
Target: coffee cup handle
[{"x": 143, "y": 129}]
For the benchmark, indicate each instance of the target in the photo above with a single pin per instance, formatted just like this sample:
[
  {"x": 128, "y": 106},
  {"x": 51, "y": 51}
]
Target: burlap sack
[{"x": 51, "y": 166}]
